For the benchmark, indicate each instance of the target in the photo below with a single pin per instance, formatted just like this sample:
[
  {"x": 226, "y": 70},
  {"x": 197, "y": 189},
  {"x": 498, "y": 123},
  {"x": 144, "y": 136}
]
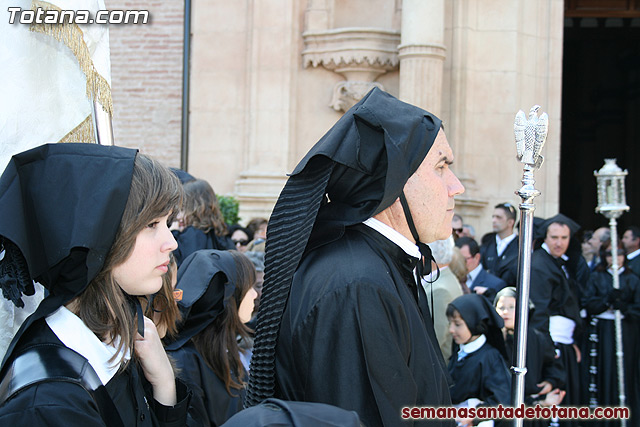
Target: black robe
[
  {"x": 191, "y": 239},
  {"x": 211, "y": 402},
  {"x": 504, "y": 266},
  {"x": 551, "y": 293},
  {"x": 602, "y": 336},
  {"x": 541, "y": 362},
  {"x": 61, "y": 403},
  {"x": 483, "y": 375},
  {"x": 353, "y": 336}
]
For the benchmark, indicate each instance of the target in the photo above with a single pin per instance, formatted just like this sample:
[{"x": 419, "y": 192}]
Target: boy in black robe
[
  {"x": 355, "y": 330},
  {"x": 478, "y": 370}
]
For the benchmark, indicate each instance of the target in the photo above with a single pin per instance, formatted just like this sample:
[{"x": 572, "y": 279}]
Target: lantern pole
[{"x": 612, "y": 204}]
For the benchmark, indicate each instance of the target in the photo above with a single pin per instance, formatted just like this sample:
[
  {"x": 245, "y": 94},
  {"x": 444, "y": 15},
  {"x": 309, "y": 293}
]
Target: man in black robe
[
  {"x": 556, "y": 283},
  {"x": 356, "y": 330},
  {"x": 500, "y": 249}
]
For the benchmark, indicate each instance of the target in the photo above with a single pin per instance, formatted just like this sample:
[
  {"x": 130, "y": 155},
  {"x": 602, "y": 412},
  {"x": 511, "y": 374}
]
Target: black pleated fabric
[{"x": 295, "y": 211}]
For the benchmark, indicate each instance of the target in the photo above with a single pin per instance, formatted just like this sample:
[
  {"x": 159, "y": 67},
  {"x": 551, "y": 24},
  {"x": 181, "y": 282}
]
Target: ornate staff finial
[{"x": 531, "y": 135}]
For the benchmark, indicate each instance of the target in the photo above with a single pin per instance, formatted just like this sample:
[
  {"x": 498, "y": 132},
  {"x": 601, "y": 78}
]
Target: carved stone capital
[
  {"x": 346, "y": 94},
  {"x": 361, "y": 55}
]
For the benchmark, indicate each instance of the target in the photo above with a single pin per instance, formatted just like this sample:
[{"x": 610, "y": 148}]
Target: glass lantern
[{"x": 611, "y": 191}]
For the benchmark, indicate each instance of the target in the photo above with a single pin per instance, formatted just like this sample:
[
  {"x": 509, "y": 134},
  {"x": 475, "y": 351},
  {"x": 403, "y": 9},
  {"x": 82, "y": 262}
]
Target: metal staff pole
[
  {"x": 530, "y": 135},
  {"x": 611, "y": 204},
  {"x": 102, "y": 127}
]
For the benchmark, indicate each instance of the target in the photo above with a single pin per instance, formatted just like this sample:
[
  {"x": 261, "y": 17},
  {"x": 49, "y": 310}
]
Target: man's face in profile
[{"x": 430, "y": 191}]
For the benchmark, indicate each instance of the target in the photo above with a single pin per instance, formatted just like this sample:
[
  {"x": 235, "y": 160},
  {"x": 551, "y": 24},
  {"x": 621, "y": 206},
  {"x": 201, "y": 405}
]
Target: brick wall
[{"x": 146, "y": 79}]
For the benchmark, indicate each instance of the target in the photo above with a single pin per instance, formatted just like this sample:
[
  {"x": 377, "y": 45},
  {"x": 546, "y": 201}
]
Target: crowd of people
[
  {"x": 571, "y": 348},
  {"x": 370, "y": 296}
]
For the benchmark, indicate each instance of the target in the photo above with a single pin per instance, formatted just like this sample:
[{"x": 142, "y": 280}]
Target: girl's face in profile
[
  {"x": 458, "y": 329},
  {"x": 141, "y": 273},
  {"x": 247, "y": 305}
]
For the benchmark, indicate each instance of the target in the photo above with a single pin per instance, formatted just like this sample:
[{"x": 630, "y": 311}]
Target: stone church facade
[{"x": 268, "y": 78}]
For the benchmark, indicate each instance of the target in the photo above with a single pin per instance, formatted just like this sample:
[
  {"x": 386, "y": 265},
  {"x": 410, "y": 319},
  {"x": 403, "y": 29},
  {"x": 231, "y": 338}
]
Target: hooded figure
[
  {"x": 349, "y": 331},
  {"x": 208, "y": 281},
  {"x": 558, "y": 276},
  {"x": 70, "y": 220},
  {"x": 479, "y": 370}
]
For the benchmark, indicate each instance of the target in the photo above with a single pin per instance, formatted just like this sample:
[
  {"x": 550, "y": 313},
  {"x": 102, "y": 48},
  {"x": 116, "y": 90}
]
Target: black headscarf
[
  {"x": 476, "y": 311},
  {"x": 356, "y": 170},
  {"x": 61, "y": 206},
  {"x": 541, "y": 230},
  {"x": 207, "y": 279}
]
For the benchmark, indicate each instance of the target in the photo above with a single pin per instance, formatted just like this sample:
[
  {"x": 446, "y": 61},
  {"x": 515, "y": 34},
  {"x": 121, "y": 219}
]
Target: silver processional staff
[{"x": 530, "y": 134}]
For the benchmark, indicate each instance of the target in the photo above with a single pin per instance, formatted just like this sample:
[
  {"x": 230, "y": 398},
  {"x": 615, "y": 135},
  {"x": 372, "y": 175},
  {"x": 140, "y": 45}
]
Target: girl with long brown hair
[{"x": 88, "y": 222}]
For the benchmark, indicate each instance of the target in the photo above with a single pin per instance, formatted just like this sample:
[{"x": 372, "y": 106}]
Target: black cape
[
  {"x": 353, "y": 335},
  {"x": 61, "y": 403},
  {"x": 551, "y": 291},
  {"x": 541, "y": 363},
  {"x": 602, "y": 355},
  {"x": 483, "y": 375},
  {"x": 211, "y": 404}
]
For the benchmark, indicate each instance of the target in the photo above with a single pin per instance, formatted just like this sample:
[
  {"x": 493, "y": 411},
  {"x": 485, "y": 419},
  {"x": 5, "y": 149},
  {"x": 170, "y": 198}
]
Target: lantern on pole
[{"x": 612, "y": 204}]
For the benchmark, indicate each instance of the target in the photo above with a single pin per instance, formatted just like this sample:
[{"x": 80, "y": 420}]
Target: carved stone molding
[{"x": 360, "y": 55}]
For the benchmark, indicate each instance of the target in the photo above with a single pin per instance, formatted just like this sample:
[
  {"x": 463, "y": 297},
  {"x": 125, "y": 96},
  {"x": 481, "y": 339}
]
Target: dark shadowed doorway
[{"x": 600, "y": 106}]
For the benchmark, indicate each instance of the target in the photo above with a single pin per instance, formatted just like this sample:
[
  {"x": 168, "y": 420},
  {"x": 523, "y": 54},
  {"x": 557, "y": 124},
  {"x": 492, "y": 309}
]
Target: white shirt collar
[
  {"x": 501, "y": 244},
  {"x": 474, "y": 273},
  {"x": 620, "y": 270},
  {"x": 633, "y": 254},
  {"x": 405, "y": 244},
  {"x": 546, "y": 248},
  {"x": 474, "y": 345},
  {"x": 73, "y": 333}
]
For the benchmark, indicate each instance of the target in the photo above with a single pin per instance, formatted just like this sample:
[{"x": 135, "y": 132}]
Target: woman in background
[
  {"x": 217, "y": 299},
  {"x": 204, "y": 226}
]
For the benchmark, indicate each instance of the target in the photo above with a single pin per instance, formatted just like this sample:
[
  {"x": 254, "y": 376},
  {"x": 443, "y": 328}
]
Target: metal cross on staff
[{"x": 530, "y": 134}]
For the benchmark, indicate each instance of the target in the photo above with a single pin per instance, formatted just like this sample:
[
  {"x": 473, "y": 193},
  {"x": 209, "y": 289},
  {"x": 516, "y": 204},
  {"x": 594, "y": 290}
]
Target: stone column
[
  {"x": 422, "y": 53},
  {"x": 270, "y": 77}
]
